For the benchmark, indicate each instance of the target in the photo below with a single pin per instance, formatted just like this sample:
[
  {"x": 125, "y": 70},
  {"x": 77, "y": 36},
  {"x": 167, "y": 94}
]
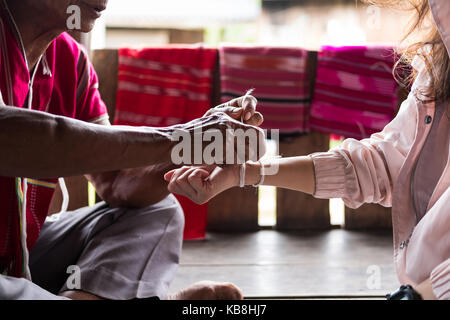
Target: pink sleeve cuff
[
  {"x": 330, "y": 175},
  {"x": 440, "y": 280}
]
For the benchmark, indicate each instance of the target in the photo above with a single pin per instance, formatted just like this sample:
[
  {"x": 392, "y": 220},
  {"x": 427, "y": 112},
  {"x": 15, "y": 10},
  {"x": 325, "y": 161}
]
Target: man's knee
[
  {"x": 171, "y": 210},
  {"x": 176, "y": 212}
]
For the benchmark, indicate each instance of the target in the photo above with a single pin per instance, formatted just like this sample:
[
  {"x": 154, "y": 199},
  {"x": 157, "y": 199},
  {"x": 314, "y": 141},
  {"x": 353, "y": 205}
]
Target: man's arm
[
  {"x": 136, "y": 187},
  {"x": 40, "y": 145}
]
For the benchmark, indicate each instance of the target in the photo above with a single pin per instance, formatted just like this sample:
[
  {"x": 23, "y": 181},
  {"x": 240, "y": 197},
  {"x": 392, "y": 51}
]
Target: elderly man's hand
[
  {"x": 241, "y": 108},
  {"x": 216, "y": 139}
]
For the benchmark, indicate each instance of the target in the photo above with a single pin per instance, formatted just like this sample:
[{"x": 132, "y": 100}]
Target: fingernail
[{"x": 248, "y": 115}]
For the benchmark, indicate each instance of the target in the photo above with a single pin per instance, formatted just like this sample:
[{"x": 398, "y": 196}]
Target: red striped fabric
[
  {"x": 355, "y": 93},
  {"x": 280, "y": 79},
  {"x": 164, "y": 86}
]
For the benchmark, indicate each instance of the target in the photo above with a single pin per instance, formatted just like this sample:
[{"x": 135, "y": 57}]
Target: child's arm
[
  {"x": 202, "y": 184},
  {"x": 358, "y": 171}
]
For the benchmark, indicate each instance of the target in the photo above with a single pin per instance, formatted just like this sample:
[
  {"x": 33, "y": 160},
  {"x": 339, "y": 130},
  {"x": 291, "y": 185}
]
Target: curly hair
[{"x": 430, "y": 48}]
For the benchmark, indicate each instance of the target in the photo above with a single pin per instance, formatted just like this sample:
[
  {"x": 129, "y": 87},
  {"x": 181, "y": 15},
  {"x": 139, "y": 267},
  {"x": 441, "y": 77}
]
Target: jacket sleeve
[
  {"x": 440, "y": 280},
  {"x": 365, "y": 171}
]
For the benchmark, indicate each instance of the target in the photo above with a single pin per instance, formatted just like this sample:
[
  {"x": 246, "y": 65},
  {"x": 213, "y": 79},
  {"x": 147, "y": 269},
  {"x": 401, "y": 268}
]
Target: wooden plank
[
  {"x": 297, "y": 210},
  {"x": 289, "y": 264},
  {"x": 369, "y": 216},
  {"x": 106, "y": 63},
  {"x": 186, "y": 36},
  {"x": 234, "y": 210}
]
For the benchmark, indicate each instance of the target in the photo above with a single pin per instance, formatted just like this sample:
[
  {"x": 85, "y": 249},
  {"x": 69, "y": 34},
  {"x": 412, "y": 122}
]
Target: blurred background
[{"x": 306, "y": 23}]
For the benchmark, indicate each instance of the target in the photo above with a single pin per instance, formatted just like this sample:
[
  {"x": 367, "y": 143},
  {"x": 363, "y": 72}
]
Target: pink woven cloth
[
  {"x": 355, "y": 94},
  {"x": 280, "y": 79}
]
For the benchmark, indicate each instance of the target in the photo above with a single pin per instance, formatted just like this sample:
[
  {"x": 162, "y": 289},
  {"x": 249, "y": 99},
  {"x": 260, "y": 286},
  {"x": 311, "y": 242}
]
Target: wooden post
[
  {"x": 234, "y": 210},
  {"x": 297, "y": 210},
  {"x": 106, "y": 63},
  {"x": 369, "y": 216}
]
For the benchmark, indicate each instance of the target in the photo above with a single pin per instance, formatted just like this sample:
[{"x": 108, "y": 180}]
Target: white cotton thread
[
  {"x": 65, "y": 195},
  {"x": 242, "y": 176},
  {"x": 65, "y": 201},
  {"x": 262, "y": 173},
  {"x": 23, "y": 240}
]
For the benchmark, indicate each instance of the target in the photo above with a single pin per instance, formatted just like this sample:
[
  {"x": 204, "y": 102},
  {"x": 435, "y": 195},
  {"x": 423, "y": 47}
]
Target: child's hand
[{"x": 200, "y": 184}]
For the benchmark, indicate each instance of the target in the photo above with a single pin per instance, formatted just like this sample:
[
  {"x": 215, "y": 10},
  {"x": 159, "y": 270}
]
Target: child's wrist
[{"x": 252, "y": 173}]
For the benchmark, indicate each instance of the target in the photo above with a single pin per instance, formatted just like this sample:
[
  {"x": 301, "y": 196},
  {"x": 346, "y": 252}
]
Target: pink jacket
[{"x": 380, "y": 170}]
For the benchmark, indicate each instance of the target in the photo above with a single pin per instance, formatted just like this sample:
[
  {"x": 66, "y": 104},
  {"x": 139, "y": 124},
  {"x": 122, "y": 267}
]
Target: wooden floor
[{"x": 274, "y": 265}]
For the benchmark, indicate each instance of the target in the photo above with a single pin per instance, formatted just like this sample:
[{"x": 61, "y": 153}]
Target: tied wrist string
[
  {"x": 262, "y": 174},
  {"x": 242, "y": 175}
]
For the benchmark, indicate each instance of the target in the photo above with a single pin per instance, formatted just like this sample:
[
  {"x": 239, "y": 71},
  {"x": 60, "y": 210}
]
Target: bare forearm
[
  {"x": 296, "y": 173},
  {"x": 202, "y": 184},
  {"x": 35, "y": 144}
]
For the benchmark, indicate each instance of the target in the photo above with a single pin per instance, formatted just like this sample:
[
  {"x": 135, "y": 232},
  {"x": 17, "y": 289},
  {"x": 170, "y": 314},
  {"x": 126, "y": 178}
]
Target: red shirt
[{"x": 65, "y": 84}]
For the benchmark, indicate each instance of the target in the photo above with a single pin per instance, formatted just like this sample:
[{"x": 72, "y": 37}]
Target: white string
[
  {"x": 243, "y": 166},
  {"x": 262, "y": 173},
  {"x": 65, "y": 194},
  {"x": 2, "y": 103},
  {"x": 242, "y": 171},
  {"x": 23, "y": 239},
  {"x": 242, "y": 176}
]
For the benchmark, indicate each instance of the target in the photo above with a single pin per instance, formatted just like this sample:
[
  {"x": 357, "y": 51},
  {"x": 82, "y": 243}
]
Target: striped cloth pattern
[
  {"x": 355, "y": 93},
  {"x": 280, "y": 79},
  {"x": 164, "y": 86},
  {"x": 160, "y": 87}
]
